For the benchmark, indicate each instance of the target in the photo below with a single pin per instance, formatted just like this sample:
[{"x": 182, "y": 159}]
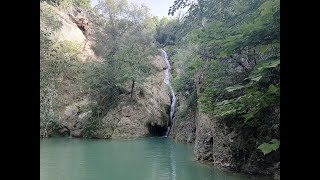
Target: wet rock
[{"x": 76, "y": 133}]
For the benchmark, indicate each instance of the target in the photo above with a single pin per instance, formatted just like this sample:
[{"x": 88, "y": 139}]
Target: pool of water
[{"x": 139, "y": 159}]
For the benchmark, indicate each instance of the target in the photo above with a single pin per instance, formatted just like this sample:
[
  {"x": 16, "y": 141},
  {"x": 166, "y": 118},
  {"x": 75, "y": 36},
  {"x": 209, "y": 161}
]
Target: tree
[{"x": 236, "y": 60}]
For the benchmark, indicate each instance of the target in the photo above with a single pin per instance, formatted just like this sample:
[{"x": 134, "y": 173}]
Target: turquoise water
[{"x": 139, "y": 159}]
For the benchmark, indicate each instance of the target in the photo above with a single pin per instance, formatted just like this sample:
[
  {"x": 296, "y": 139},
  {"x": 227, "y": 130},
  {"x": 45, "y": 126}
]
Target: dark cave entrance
[{"x": 156, "y": 130}]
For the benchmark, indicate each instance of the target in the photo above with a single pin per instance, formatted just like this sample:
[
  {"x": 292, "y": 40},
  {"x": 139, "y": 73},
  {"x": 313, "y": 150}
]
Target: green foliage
[
  {"x": 132, "y": 58},
  {"x": 254, "y": 98},
  {"x": 84, "y": 4},
  {"x": 189, "y": 62},
  {"x": 165, "y": 32},
  {"x": 124, "y": 43},
  {"x": 48, "y": 90},
  {"x": 238, "y": 74},
  {"x": 59, "y": 70},
  {"x": 48, "y": 19},
  {"x": 263, "y": 67},
  {"x": 65, "y": 49},
  {"x": 266, "y": 148},
  {"x": 224, "y": 42},
  {"x": 234, "y": 88}
]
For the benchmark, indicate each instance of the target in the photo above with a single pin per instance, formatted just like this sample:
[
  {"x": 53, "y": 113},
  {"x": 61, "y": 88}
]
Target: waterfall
[{"x": 167, "y": 81}]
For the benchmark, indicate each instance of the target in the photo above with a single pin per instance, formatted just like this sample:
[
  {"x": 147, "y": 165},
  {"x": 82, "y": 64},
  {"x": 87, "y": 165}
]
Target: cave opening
[
  {"x": 82, "y": 29},
  {"x": 156, "y": 130}
]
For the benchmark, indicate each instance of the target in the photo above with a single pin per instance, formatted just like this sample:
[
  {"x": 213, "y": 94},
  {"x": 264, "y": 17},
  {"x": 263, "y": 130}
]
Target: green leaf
[
  {"x": 263, "y": 49},
  {"x": 273, "y": 89},
  {"x": 223, "y": 53},
  {"x": 256, "y": 78},
  {"x": 249, "y": 115},
  {"x": 270, "y": 64},
  {"x": 275, "y": 141},
  {"x": 259, "y": 70},
  {"x": 234, "y": 88},
  {"x": 267, "y": 148},
  {"x": 223, "y": 103},
  {"x": 251, "y": 90}
]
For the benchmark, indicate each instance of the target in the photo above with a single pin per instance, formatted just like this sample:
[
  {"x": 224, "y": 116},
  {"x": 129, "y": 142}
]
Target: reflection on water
[
  {"x": 139, "y": 159},
  {"x": 172, "y": 162}
]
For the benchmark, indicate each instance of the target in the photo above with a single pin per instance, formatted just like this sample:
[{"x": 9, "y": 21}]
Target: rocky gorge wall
[
  {"x": 140, "y": 117},
  {"x": 212, "y": 139},
  {"x": 149, "y": 109},
  {"x": 149, "y": 112},
  {"x": 144, "y": 115}
]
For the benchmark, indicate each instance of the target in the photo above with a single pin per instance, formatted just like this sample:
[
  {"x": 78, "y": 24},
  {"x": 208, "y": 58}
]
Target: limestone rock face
[
  {"x": 75, "y": 28},
  {"x": 212, "y": 140},
  {"x": 150, "y": 100},
  {"x": 204, "y": 140},
  {"x": 69, "y": 29},
  {"x": 184, "y": 127},
  {"x": 74, "y": 117},
  {"x": 208, "y": 136},
  {"x": 131, "y": 117}
]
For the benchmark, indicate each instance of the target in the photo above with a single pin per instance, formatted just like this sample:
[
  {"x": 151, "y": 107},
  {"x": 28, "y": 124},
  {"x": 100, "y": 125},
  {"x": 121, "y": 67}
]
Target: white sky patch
[{"x": 158, "y": 8}]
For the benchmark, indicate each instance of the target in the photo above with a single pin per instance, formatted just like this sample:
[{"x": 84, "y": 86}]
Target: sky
[{"x": 157, "y": 7}]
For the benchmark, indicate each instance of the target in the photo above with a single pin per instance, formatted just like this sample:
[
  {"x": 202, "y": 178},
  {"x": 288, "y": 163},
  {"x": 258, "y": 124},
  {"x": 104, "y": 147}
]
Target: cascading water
[{"x": 167, "y": 81}]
